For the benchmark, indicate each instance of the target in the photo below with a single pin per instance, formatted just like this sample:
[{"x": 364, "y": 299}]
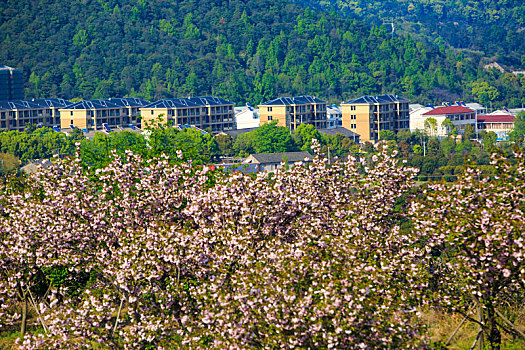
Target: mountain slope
[
  {"x": 494, "y": 28},
  {"x": 246, "y": 51}
]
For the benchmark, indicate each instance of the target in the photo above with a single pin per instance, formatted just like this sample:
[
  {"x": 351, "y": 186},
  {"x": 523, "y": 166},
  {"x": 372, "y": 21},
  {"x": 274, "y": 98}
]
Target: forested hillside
[
  {"x": 246, "y": 51},
  {"x": 494, "y": 29}
]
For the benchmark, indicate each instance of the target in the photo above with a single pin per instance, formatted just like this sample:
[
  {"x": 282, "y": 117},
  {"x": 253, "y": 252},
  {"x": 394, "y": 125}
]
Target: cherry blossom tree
[
  {"x": 311, "y": 257},
  {"x": 474, "y": 244}
]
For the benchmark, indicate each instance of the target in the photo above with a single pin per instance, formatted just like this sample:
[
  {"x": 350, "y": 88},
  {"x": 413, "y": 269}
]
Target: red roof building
[
  {"x": 459, "y": 116},
  {"x": 448, "y": 110},
  {"x": 500, "y": 118},
  {"x": 501, "y": 124}
]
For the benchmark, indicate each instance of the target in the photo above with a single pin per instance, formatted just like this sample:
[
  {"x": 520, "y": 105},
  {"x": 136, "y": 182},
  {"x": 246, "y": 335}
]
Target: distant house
[
  {"x": 90, "y": 134},
  {"x": 272, "y": 161},
  {"x": 459, "y": 116},
  {"x": 417, "y": 120},
  {"x": 235, "y": 133},
  {"x": 500, "y": 124},
  {"x": 246, "y": 118}
]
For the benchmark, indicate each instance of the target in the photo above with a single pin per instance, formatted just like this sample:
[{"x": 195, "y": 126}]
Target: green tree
[
  {"x": 489, "y": 139},
  {"x": 518, "y": 133},
  {"x": 224, "y": 144},
  {"x": 469, "y": 133},
  {"x": 304, "y": 135},
  {"x": 387, "y": 135},
  {"x": 484, "y": 92},
  {"x": 431, "y": 126}
]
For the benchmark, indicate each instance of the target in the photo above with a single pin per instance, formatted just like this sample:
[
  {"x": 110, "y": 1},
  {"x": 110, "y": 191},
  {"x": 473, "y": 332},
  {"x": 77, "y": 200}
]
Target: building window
[
  {"x": 269, "y": 109},
  {"x": 352, "y": 108},
  {"x": 71, "y": 113},
  {"x": 270, "y": 117},
  {"x": 152, "y": 112},
  {"x": 353, "y": 126}
]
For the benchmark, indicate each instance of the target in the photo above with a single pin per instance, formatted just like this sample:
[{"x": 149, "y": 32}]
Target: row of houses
[
  {"x": 362, "y": 118},
  {"x": 454, "y": 118}
]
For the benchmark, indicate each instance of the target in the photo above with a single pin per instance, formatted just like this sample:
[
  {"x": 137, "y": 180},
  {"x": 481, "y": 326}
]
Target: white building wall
[
  {"x": 334, "y": 117},
  {"x": 246, "y": 118}
]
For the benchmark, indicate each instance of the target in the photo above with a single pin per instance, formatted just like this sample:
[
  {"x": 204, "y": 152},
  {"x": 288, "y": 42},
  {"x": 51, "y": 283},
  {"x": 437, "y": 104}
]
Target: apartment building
[
  {"x": 203, "y": 112},
  {"x": 368, "y": 115},
  {"x": 293, "y": 111},
  {"x": 95, "y": 114},
  {"x": 17, "y": 114},
  {"x": 11, "y": 83}
]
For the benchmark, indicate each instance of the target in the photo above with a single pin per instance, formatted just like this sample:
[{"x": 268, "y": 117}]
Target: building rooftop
[
  {"x": 339, "y": 130},
  {"x": 239, "y": 110},
  {"x": 474, "y": 105},
  {"x": 377, "y": 99},
  {"x": 188, "y": 102},
  {"x": 287, "y": 101},
  {"x": 108, "y": 103},
  {"x": 500, "y": 112},
  {"x": 91, "y": 133},
  {"x": 333, "y": 110},
  {"x": 265, "y": 158},
  {"x": 415, "y": 106},
  {"x": 516, "y": 111},
  {"x": 495, "y": 118},
  {"x": 34, "y": 104},
  {"x": 449, "y": 110},
  {"x": 235, "y": 133}
]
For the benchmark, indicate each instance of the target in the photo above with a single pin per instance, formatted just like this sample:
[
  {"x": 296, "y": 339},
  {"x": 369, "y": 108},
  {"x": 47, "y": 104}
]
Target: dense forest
[
  {"x": 494, "y": 29},
  {"x": 245, "y": 51}
]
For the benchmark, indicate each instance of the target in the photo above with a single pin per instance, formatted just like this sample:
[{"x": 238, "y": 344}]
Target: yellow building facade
[
  {"x": 369, "y": 115},
  {"x": 211, "y": 113},
  {"x": 291, "y": 112},
  {"x": 94, "y": 114},
  {"x": 18, "y": 114}
]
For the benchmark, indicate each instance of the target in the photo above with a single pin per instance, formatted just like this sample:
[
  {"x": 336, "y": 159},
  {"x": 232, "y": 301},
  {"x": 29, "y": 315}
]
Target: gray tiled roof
[
  {"x": 339, "y": 130},
  {"x": 189, "y": 102},
  {"x": 109, "y": 103},
  {"x": 299, "y": 100},
  {"x": 235, "y": 133},
  {"x": 265, "y": 158},
  {"x": 91, "y": 133},
  {"x": 377, "y": 99}
]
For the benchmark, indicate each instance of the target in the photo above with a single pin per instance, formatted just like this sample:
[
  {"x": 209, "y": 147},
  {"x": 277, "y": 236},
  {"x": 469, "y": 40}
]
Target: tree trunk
[
  {"x": 24, "y": 316},
  {"x": 494, "y": 336}
]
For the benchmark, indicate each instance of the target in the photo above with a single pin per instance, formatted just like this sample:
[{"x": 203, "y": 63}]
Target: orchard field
[{"x": 162, "y": 253}]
